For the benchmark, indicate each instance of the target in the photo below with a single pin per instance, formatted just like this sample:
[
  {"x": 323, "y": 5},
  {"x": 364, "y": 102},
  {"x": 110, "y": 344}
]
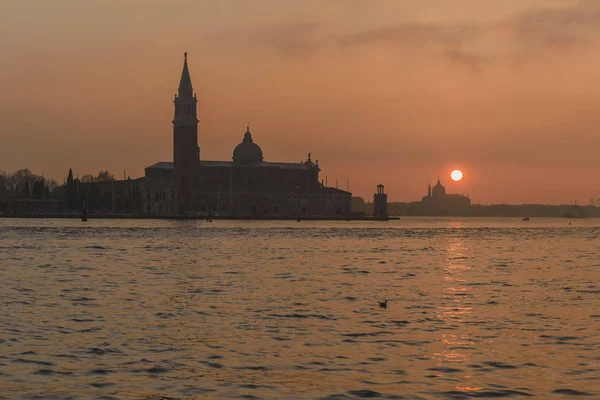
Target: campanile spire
[{"x": 185, "y": 83}]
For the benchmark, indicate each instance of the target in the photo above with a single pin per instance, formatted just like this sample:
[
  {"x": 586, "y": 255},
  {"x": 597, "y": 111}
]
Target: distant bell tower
[{"x": 186, "y": 152}]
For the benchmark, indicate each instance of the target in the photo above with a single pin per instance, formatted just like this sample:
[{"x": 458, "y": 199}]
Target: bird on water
[{"x": 383, "y": 304}]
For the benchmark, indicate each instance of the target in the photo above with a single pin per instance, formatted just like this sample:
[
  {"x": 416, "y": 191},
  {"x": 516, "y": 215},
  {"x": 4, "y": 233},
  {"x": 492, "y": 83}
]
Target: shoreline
[
  {"x": 193, "y": 217},
  {"x": 258, "y": 218}
]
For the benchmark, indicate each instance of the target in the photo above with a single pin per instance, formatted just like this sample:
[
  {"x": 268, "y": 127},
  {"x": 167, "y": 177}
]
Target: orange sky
[{"x": 389, "y": 91}]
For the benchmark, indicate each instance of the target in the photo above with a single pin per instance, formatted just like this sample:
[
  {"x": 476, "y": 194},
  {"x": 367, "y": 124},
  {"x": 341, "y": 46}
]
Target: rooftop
[
  {"x": 282, "y": 165},
  {"x": 161, "y": 165}
]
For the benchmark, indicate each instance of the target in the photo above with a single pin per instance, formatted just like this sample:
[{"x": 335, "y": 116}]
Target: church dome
[
  {"x": 247, "y": 152},
  {"x": 438, "y": 189}
]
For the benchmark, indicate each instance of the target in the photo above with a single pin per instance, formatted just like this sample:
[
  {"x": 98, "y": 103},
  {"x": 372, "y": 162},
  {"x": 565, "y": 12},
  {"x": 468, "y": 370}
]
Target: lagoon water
[{"x": 128, "y": 309}]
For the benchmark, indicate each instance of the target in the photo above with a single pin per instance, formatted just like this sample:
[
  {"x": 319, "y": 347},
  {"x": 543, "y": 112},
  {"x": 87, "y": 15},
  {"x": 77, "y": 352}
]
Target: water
[{"x": 478, "y": 308}]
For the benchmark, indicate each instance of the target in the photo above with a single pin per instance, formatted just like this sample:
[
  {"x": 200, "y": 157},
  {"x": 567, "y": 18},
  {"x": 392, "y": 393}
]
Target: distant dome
[
  {"x": 247, "y": 152},
  {"x": 438, "y": 189}
]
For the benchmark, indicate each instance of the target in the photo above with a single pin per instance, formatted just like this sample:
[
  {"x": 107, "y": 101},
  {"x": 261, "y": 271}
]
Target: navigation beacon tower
[{"x": 380, "y": 206}]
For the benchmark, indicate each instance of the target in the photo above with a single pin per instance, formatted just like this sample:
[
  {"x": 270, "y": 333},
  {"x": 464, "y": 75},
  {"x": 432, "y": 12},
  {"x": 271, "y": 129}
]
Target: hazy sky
[{"x": 386, "y": 91}]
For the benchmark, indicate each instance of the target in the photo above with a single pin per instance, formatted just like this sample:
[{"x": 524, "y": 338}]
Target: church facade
[{"x": 246, "y": 186}]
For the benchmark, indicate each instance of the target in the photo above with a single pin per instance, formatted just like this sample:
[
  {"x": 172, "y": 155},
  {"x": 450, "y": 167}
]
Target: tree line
[{"x": 28, "y": 184}]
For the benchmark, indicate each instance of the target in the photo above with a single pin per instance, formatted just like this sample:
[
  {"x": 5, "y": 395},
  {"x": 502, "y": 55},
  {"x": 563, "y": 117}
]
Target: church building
[
  {"x": 438, "y": 202},
  {"x": 246, "y": 186}
]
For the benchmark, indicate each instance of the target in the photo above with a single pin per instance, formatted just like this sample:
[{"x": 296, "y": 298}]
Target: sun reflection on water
[
  {"x": 457, "y": 305},
  {"x": 468, "y": 388}
]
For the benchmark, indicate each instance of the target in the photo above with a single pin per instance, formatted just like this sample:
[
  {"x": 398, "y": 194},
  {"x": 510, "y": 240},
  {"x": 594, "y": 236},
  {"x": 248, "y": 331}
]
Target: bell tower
[{"x": 186, "y": 152}]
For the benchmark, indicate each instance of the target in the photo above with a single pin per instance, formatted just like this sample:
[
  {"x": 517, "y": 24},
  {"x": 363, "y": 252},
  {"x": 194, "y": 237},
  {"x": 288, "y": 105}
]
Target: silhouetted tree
[
  {"x": 4, "y": 185},
  {"x": 4, "y": 181},
  {"x": 27, "y": 183},
  {"x": 104, "y": 176},
  {"x": 19, "y": 178},
  {"x": 40, "y": 189},
  {"x": 47, "y": 190},
  {"x": 88, "y": 178},
  {"x": 52, "y": 184},
  {"x": 26, "y": 192},
  {"x": 37, "y": 189},
  {"x": 22, "y": 176}
]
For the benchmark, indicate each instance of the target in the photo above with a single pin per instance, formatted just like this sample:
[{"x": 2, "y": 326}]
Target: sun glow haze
[{"x": 456, "y": 175}]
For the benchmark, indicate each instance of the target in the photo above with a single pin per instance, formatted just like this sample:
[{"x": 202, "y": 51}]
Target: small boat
[{"x": 525, "y": 219}]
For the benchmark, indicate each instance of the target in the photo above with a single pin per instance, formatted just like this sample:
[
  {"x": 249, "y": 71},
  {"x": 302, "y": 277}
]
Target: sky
[{"x": 396, "y": 92}]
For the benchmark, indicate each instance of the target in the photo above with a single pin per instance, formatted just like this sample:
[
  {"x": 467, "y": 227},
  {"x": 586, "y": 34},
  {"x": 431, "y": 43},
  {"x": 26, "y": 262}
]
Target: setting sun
[{"x": 456, "y": 175}]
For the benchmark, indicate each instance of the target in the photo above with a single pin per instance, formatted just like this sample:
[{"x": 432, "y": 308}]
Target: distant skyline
[{"x": 394, "y": 92}]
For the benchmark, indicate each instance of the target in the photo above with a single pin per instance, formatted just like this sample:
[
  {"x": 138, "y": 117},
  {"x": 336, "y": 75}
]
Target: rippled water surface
[{"x": 478, "y": 308}]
